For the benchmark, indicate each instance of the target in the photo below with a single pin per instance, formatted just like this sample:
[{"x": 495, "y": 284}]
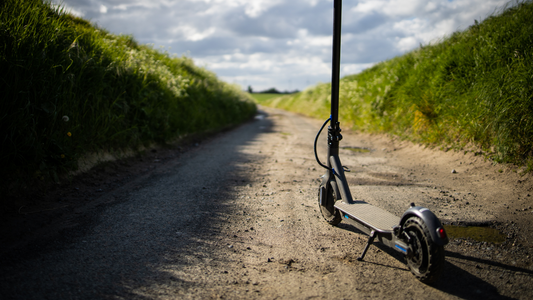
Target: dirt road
[{"x": 236, "y": 218}]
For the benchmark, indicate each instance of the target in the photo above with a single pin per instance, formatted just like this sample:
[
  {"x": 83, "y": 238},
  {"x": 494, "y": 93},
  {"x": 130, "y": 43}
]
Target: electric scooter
[{"x": 418, "y": 234}]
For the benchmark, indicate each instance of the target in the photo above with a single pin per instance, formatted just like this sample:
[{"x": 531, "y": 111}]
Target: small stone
[{"x": 453, "y": 171}]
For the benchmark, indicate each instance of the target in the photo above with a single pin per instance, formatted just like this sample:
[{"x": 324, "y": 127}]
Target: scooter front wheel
[
  {"x": 427, "y": 258},
  {"x": 327, "y": 208}
]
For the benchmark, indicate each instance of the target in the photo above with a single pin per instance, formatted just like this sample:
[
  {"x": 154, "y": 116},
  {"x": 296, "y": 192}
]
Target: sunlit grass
[
  {"x": 69, "y": 88},
  {"x": 259, "y": 97},
  {"x": 473, "y": 88}
]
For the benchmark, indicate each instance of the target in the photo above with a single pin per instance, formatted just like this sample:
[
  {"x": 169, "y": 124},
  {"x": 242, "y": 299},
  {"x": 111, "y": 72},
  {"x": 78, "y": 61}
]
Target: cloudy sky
[{"x": 282, "y": 43}]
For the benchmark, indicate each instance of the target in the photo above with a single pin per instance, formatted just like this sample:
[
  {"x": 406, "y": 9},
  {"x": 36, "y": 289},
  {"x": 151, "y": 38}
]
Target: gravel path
[{"x": 237, "y": 218}]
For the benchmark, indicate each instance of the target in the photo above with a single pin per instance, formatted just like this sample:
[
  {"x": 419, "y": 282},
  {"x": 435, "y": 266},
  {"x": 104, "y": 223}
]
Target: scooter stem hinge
[{"x": 334, "y": 133}]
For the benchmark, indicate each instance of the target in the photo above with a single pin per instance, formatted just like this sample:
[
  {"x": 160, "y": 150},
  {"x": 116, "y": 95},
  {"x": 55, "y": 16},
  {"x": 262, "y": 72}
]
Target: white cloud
[
  {"x": 121, "y": 7},
  {"x": 70, "y": 10},
  {"x": 407, "y": 43},
  {"x": 283, "y": 43},
  {"x": 392, "y": 8},
  {"x": 348, "y": 69},
  {"x": 190, "y": 33},
  {"x": 257, "y": 7}
]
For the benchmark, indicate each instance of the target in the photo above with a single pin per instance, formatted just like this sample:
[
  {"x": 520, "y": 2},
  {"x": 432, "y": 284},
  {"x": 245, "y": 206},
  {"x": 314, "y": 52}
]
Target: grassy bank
[
  {"x": 474, "y": 88},
  {"x": 69, "y": 88},
  {"x": 259, "y": 97}
]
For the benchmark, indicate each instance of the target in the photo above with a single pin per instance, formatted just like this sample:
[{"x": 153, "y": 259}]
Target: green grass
[
  {"x": 472, "y": 88},
  {"x": 115, "y": 93},
  {"x": 264, "y": 97}
]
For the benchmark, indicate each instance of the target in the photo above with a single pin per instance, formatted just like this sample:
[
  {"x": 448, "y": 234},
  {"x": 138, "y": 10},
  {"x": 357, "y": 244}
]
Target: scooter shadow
[
  {"x": 474, "y": 287},
  {"x": 453, "y": 280}
]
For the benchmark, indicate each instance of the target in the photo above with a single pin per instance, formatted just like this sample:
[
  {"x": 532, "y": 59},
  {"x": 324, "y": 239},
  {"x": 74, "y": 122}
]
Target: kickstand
[{"x": 370, "y": 241}]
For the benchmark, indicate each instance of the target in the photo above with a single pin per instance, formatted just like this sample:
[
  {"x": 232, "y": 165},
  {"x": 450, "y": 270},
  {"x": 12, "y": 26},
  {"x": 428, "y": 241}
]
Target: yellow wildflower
[{"x": 69, "y": 134}]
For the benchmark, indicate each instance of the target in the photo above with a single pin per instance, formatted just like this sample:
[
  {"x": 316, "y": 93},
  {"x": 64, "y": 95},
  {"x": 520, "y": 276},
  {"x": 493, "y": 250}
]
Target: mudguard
[
  {"x": 428, "y": 217},
  {"x": 327, "y": 183}
]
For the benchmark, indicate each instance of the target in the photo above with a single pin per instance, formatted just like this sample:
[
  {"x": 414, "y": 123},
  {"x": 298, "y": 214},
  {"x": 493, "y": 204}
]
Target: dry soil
[{"x": 235, "y": 216}]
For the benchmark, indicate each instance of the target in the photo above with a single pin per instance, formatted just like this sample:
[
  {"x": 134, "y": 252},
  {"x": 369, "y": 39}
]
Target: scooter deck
[{"x": 369, "y": 215}]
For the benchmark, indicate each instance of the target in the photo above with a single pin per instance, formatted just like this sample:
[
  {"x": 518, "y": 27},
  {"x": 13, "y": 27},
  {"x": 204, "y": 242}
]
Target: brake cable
[{"x": 316, "y": 139}]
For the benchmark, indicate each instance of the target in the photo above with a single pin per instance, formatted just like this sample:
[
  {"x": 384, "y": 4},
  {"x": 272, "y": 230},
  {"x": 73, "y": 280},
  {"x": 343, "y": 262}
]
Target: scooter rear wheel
[
  {"x": 327, "y": 209},
  {"x": 427, "y": 258}
]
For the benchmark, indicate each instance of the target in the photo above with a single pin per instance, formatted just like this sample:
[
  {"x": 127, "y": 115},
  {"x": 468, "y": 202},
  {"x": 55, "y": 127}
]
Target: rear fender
[{"x": 432, "y": 222}]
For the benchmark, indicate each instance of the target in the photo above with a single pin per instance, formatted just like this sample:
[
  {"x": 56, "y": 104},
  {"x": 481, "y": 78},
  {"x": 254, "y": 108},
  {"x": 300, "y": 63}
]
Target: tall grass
[
  {"x": 474, "y": 87},
  {"x": 69, "y": 88}
]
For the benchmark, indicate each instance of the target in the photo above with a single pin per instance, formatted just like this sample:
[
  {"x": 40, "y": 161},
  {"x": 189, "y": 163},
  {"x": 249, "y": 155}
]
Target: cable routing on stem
[{"x": 316, "y": 139}]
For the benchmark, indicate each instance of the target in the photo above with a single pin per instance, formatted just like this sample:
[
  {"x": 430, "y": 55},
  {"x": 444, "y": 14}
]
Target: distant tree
[
  {"x": 250, "y": 90},
  {"x": 271, "y": 91}
]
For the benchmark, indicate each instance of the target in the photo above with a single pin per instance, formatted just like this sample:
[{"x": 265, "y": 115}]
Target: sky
[{"x": 284, "y": 44}]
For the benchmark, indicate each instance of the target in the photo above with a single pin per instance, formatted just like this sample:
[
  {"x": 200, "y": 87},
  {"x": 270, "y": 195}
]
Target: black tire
[
  {"x": 328, "y": 211},
  {"x": 427, "y": 259}
]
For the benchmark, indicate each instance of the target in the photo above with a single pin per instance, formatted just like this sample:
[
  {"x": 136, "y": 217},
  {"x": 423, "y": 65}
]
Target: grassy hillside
[
  {"x": 263, "y": 97},
  {"x": 69, "y": 88},
  {"x": 474, "y": 87}
]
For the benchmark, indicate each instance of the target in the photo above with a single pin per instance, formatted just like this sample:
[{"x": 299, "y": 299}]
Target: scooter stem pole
[
  {"x": 334, "y": 130},
  {"x": 336, "y": 61}
]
